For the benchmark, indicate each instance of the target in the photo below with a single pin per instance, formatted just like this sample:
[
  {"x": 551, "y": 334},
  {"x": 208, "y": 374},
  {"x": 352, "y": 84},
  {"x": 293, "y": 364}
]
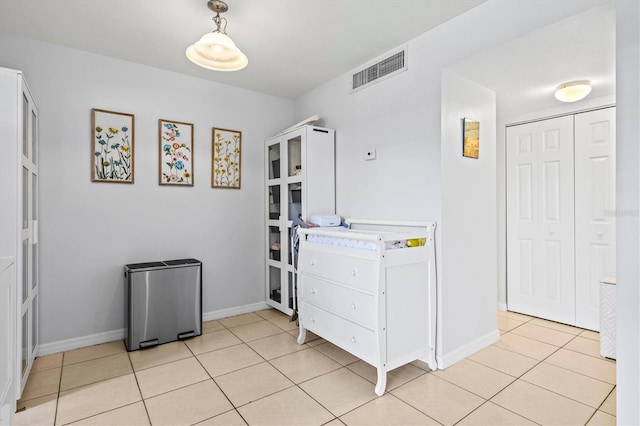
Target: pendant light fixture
[
  {"x": 215, "y": 50},
  {"x": 573, "y": 91}
]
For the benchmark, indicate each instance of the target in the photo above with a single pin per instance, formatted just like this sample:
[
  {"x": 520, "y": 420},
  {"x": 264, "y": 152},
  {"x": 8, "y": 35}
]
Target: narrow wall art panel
[
  {"x": 175, "y": 153},
  {"x": 471, "y": 138},
  {"x": 225, "y": 161},
  {"x": 112, "y": 146}
]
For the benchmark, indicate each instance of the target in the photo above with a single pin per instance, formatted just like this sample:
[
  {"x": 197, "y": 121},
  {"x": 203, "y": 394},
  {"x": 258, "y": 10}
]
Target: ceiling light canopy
[
  {"x": 215, "y": 50},
  {"x": 573, "y": 91}
]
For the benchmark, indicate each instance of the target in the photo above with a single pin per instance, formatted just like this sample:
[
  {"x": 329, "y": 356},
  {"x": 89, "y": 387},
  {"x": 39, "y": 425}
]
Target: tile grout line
[
  {"x": 135, "y": 376},
  {"x": 605, "y": 399},
  {"x": 235, "y": 408},
  {"x": 520, "y": 377},
  {"x": 335, "y": 417},
  {"x": 556, "y": 393},
  {"x": 55, "y": 416},
  {"x": 216, "y": 383},
  {"x": 103, "y": 380},
  {"x": 491, "y": 402},
  {"x": 547, "y": 357}
]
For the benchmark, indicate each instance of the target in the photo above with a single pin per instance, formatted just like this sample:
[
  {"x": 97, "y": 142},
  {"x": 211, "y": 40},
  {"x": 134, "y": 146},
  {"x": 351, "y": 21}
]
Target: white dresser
[{"x": 372, "y": 293}]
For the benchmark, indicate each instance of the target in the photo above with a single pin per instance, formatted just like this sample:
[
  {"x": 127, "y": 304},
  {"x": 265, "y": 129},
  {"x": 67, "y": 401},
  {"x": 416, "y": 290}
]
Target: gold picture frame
[
  {"x": 471, "y": 138},
  {"x": 226, "y": 158},
  {"x": 112, "y": 154},
  {"x": 175, "y": 145}
]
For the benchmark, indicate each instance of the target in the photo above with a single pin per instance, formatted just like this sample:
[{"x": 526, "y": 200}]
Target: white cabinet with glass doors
[
  {"x": 19, "y": 218},
  {"x": 300, "y": 181}
]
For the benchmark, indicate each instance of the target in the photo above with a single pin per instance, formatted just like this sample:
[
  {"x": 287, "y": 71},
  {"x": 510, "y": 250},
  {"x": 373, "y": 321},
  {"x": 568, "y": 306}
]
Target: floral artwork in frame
[
  {"x": 225, "y": 165},
  {"x": 176, "y": 153},
  {"x": 112, "y": 146}
]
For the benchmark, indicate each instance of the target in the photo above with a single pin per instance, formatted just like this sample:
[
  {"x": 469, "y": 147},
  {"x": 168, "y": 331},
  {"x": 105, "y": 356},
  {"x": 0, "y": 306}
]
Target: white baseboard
[
  {"x": 447, "y": 360},
  {"x": 229, "y": 312},
  {"x": 502, "y": 306},
  {"x": 110, "y": 336},
  {"x": 81, "y": 342}
]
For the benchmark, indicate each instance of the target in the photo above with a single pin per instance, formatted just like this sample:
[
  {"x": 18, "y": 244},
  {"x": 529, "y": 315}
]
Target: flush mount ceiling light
[
  {"x": 215, "y": 50},
  {"x": 573, "y": 91}
]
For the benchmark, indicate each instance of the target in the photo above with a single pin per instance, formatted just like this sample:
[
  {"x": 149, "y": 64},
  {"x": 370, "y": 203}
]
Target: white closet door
[
  {"x": 595, "y": 171},
  {"x": 540, "y": 209}
]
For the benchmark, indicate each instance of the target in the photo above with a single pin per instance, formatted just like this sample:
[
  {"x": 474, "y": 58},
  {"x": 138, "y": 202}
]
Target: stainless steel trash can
[{"x": 165, "y": 302}]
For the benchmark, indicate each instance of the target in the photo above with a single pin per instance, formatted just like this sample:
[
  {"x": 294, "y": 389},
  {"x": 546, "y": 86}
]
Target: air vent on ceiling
[{"x": 381, "y": 69}]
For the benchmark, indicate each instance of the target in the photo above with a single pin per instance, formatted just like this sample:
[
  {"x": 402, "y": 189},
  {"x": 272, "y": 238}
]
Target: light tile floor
[{"x": 248, "y": 369}]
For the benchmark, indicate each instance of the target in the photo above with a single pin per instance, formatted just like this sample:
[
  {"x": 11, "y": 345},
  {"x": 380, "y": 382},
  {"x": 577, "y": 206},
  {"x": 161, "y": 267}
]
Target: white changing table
[{"x": 361, "y": 290}]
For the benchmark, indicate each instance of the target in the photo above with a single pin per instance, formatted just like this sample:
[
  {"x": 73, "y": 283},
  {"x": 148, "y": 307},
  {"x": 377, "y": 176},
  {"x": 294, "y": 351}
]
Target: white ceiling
[
  {"x": 292, "y": 45},
  {"x": 296, "y": 45},
  {"x": 526, "y": 71}
]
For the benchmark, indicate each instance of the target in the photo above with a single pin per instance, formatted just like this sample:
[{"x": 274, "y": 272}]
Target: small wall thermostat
[{"x": 370, "y": 154}]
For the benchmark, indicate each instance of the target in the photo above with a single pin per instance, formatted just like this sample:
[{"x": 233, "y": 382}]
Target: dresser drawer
[
  {"x": 353, "y": 271},
  {"x": 351, "y": 337},
  {"x": 352, "y": 304}
]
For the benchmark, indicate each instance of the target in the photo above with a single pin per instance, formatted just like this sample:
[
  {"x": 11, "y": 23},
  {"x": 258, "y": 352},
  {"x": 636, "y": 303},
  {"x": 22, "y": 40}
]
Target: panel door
[
  {"x": 595, "y": 219},
  {"x": 540, "y": 209}
]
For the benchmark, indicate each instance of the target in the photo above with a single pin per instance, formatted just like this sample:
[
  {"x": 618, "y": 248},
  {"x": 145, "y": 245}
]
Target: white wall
[
  {"x": 469, "y": 227},
  {"x": 400, "y": 118},
  {"x": 628, "y": 208},
  {"x": 89, "y": 231}
]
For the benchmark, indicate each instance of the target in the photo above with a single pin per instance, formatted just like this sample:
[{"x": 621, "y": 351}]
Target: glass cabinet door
[
  {"x": 294, "y": 173},
  {"x": 275, "y": 284},
  {"x": 273, "y": 161},
  {"x": 274, "y": 202},
  {"x": 274, "y": 243},
  {"x": 295, "y": 200},
  {"x": 284, "y": 176},
  {"x": 29, "y": 253},
  {"x": 294, "y": 155},
  {"x": 274, "y": 224}
]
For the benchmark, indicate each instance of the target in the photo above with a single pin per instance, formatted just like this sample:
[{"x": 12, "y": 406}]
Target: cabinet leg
[
  {"x": 382, "y": 382},
  {"x": 302, "y": 335}
]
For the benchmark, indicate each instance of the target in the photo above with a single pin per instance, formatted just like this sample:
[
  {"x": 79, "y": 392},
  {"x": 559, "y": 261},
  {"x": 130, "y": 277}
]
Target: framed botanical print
[
  {"x": 175, "y": 153},
  {"x": 112, "y": 146},
  {"x": 226, "y": 155}
]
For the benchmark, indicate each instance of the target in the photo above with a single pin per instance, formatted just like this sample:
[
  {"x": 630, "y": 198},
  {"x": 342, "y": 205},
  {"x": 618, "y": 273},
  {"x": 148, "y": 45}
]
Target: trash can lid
[
  {"x": 181, "y": 262},
  {"x": 134, "y": 266}
]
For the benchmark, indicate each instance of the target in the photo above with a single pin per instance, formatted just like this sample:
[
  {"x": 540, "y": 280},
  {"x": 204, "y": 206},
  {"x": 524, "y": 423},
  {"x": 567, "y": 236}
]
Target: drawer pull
[
  {"x": 313, "y": 319},
  {"x": 353, "y": 306},
  {"x": 312, "y": 262},
  {"x": 353, "y": 339},
  {"x": 313, "y": 291},
  {"x": 353, "y": 272}
]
